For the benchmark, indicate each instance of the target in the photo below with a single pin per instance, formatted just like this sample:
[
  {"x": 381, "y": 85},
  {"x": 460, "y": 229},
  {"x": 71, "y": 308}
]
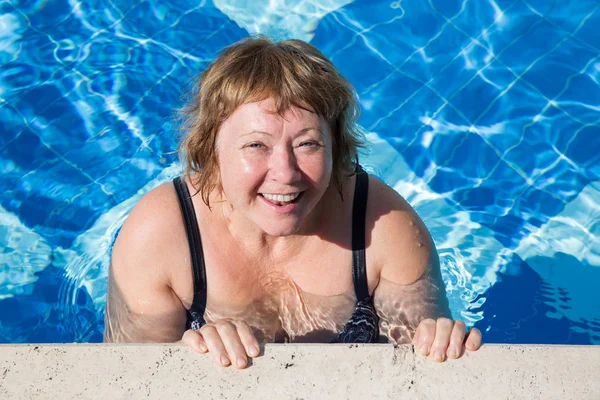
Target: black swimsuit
[{"x": 363, "y": 326}]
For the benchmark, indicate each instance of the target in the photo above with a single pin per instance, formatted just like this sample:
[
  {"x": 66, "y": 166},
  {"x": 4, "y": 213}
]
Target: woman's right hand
[{"x": 229, "y": 342}]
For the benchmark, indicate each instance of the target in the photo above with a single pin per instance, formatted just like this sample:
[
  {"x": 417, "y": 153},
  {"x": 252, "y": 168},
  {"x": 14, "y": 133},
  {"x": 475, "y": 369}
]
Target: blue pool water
[{"x": 484, "y": 114}]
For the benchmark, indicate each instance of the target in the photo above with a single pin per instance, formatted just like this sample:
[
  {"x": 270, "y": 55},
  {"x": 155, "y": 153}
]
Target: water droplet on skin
[{"x": 419, "y": 244}]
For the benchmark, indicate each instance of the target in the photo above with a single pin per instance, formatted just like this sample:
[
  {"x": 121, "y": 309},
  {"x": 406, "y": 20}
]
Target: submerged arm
[
  {"x": 140, "y": 304},
  {"x": 410, "y": 296},
  {"x": 128, "y": 320},
  {"x": 402, "y": 306}
]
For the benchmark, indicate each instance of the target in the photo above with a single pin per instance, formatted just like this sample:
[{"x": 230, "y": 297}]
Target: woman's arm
[
  {"x": 402, "y": 306},
  {"x": 410, "y": 296},
  {"x": 140, "y": 304}
]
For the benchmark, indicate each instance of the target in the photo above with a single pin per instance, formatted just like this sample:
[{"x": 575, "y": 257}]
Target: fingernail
[
  {"x": 438, "y": 356},
  {"x": 224, "y": 360},
  {"x": 452, "y": 351},
  {"x": 202, "y": 348},
  {"x": 241, "y": 362},
  {"x": 423, "y": 349},
  {"x": 253, "y": 351}
]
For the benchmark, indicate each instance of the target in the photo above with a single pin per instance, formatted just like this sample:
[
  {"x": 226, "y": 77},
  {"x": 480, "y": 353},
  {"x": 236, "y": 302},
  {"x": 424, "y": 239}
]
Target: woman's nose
[{"x": 284, "y": 166}]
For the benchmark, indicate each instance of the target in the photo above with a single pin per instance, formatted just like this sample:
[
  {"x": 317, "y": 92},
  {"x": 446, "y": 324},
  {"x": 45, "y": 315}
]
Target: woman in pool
[{"x": 274, "y": 233}]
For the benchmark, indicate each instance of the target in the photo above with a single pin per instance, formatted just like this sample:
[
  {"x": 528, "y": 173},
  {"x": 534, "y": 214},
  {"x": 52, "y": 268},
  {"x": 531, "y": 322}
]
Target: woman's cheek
[
  {"x": 249, "y": 165},
  {"x": 322, "y": 166}
]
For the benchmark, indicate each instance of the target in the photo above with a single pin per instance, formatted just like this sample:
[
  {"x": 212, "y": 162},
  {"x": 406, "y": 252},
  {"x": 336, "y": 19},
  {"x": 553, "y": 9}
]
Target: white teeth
[{"x": 281, "y": 197}]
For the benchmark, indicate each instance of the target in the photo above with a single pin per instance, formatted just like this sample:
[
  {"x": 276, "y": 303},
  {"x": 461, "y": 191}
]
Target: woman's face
[{"x": 274, "y": 169}]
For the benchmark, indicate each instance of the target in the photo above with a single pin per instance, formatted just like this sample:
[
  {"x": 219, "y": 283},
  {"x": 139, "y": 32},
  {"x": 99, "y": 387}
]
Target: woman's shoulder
[
  {"x": 398, "y": 238},
  {"x": 157, "y": 211},
  {"x": 154, "y": 225}
]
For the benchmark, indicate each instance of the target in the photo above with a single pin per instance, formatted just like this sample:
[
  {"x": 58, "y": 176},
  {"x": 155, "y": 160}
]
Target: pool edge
[{"x": 297, "y": 372}]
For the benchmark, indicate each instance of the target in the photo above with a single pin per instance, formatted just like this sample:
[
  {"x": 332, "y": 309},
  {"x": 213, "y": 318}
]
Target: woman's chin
[{"x": 280, "y": 230}]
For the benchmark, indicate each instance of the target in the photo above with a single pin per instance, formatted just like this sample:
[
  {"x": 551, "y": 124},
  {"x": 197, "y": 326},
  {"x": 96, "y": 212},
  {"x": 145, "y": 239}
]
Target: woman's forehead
[{"x": 265, "y": 113}]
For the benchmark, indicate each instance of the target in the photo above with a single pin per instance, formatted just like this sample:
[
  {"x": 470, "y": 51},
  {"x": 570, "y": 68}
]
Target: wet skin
[{"x": 277, "y": 272}]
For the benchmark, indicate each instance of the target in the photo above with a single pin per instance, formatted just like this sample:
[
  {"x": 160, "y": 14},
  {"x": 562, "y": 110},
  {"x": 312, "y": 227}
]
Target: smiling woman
[{"x": 289, "y": 240}]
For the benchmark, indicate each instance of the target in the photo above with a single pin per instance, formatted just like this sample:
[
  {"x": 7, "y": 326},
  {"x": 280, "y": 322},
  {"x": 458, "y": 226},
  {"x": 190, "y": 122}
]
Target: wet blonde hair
[{"x": 293, "y": 73}]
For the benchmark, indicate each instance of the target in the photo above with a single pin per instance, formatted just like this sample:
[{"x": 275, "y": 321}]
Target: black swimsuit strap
[
  {"x": 359, "y": 213},
  {"x": 195, "y": 244}
]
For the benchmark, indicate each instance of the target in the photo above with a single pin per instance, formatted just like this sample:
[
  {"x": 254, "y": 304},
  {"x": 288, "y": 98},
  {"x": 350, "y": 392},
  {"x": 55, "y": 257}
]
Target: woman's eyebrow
[
  {"x": 255, "y": 131},
  {"x": 310, "y": 128},
  {"x": 301, "y": 131}
]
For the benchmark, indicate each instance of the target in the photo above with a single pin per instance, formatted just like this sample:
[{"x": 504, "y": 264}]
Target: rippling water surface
[{"x": 483, "y": 114}]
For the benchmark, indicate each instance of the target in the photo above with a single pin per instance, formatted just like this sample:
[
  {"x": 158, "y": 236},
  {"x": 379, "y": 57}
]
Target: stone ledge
[{"x": 88, "y": 371}]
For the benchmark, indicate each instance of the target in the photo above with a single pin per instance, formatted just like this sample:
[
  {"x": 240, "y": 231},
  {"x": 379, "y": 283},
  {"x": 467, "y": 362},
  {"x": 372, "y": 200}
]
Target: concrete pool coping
[{"x": 290, "y": 371}]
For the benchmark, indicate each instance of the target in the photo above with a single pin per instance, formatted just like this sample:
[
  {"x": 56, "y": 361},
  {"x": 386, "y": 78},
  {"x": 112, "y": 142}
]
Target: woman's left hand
[{"x": 445, "y": 338}]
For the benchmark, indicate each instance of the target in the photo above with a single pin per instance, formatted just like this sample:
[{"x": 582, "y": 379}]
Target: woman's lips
[{"x": 284, "y": 207}]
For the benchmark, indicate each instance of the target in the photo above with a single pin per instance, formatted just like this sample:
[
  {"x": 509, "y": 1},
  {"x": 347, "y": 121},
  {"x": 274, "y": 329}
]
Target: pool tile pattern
[{"x": 487, "y": 111}]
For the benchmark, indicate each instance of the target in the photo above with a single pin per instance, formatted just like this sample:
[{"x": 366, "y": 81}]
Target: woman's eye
[{"x": 309, "y": 144}]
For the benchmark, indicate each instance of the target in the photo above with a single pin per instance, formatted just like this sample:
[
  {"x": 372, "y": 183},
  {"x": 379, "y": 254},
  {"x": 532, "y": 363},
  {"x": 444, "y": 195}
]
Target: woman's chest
[{"x": 309, "y": 299}]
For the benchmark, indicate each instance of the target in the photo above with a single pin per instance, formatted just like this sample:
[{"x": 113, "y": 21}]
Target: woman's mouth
[{"x": 282, "y": 200}]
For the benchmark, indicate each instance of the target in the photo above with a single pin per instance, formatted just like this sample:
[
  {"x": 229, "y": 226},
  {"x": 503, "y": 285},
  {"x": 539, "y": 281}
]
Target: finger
[
  {"x": 194, "y": 340},
  {"x": 248, "y": 339},
  {"x": 473, "y": 340},
  {"x": 457, "y": 339},
  {"x": 215, "y": 345},
  {"x": 443, "y": 330},
  {"x": 233, "y": 344},
  {"x": 424, "y": 336}
]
